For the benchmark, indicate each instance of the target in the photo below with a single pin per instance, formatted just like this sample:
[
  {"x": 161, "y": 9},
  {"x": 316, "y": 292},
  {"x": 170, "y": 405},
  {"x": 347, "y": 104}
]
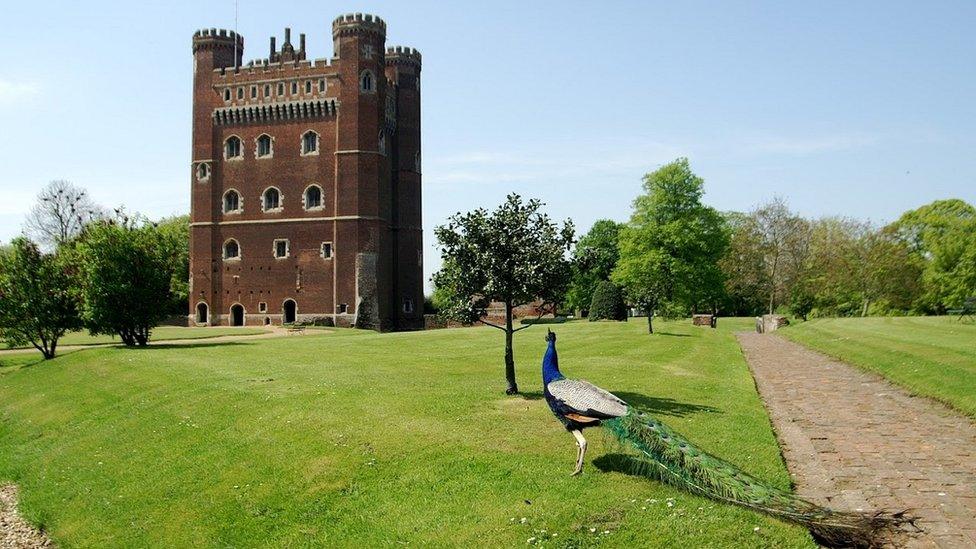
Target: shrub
[{"x": 607, "y": 303}]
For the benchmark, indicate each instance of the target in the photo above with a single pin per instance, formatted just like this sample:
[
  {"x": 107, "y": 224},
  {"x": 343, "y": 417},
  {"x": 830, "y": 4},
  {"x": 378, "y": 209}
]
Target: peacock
[{"x": 664, "y": 455}]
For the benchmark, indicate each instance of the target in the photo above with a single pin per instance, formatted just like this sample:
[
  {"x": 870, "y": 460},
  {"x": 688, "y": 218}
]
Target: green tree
[
  {"x": 36, "y": 301},
  {"x": 943, "y": 236},
  {"x": 514, "y": 255},
  {"x": 669, "y": 251},
  {"x": 607, "y": 302},
  {"x": 784, "y": 239},
  {"x": 174, "y": 233},
  {"x": 594, "y": 258},
  {"x": 126, "y": 276},
  {"x": 742, "y": 266}
]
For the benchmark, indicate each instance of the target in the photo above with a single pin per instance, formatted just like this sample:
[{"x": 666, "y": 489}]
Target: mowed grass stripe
[
  {"x": 354, "y": 438},
  {"x": 930, "y": 356}
]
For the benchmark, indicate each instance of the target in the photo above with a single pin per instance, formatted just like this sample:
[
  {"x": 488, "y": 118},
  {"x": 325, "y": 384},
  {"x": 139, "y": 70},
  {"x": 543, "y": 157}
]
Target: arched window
[
  {"x": 271, "y": 199},
  {"x": 232, "y": 201},
  {"x": 381, "y": 143},
  {"x": 310, "y": 143},
  {"x": 366, "y": 84},
  {"x": 263, "y": 146},
  {"x": 203, "y": 171},
  {"x": 232, "y": 147},
  {"x": 232, "y": 250},
  {"x": 203, "y": 315},
  {"x": 313, "y": 197}
]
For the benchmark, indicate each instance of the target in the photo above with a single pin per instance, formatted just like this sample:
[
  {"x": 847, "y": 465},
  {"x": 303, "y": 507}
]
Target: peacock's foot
[{"x": 577, "y": 472}]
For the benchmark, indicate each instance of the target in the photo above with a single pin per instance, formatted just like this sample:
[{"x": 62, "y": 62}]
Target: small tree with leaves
[
  {"x": 514, "y": 255},
  {"x": 126, "y": 275},
  {"x": 594, "y": 258},
  {"x": 36, "y": 303},
  {"x": 607, "y": 303}
]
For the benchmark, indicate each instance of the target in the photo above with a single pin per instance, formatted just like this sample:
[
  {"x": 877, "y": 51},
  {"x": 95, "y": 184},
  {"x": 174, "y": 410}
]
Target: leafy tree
[
  {"x": 669, "y": 250},
  {"x": 62, "y": 210},
  {"x": 36, "y": 302},
  {"x": 607, "y": 303},
  {"x": 174, "y": 233},
  {"x": 943, "y": 236},
  {"x": 514, "y": 255},
  {"x": 742, "y": 265},
  {"x": 126, "y": 276},
  {"x": 594, "y": 258},
  {"x": 801, "y": 301}
]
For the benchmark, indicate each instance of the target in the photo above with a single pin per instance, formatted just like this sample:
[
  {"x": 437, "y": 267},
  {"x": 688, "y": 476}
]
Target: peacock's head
[{"x": 550, "y": 335}]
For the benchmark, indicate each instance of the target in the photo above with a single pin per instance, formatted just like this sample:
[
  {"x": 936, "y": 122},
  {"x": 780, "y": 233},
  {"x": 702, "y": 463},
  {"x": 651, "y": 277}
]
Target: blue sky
[{"x": 862, "y": 109}]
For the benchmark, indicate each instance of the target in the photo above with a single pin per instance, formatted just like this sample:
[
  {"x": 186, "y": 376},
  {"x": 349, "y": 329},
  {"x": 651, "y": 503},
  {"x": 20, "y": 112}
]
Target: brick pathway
[{"x": 854, "y": 441}]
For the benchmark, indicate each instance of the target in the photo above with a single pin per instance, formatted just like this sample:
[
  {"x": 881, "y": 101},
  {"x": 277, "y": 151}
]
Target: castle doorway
[
  {"x": 203, "y": 314},
  {"x": 289, "y": 310},
  {"x": 237, "y": 315}
]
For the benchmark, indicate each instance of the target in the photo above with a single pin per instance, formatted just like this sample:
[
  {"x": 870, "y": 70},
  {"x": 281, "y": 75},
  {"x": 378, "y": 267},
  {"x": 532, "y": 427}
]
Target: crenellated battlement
[
  {"x": 352, "y": 23},
  {"x": 402, "y": 55},
  {"x": 216, "y": 38}
]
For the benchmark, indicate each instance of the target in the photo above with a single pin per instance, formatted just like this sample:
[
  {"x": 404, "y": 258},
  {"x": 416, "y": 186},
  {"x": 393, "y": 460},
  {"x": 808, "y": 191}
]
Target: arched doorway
[
  {"x": 237, "y": 315},
  {"x": 289, "y": 310},
  {"x": 203, "y": 313}
]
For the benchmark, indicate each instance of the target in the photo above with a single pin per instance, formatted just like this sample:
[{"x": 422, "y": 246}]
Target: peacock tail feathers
[{"x": 665, "y": 455}]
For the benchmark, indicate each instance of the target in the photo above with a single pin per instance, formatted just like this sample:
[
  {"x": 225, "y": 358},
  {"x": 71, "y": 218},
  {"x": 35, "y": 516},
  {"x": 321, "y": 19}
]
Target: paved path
[
  {"x": 854, "y": 441},
  {"x": 15, "y": 532}
]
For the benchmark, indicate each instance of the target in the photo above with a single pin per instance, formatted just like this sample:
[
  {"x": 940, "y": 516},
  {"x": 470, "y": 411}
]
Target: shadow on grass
[
  {"x": 672, "y": 334},
  {"x": 663, "y": 405},
  {"x": 531, "y": 395},
  {"x": 163, "y": 345},
  {"x": 619, "y": 463}
]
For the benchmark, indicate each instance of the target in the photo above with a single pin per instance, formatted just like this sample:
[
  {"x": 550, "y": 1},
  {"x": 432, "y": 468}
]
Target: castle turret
[{"x": 403, "y": 71}]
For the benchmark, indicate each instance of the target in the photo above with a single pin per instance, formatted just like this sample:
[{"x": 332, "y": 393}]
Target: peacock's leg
[{"x": 581, "y": 445}]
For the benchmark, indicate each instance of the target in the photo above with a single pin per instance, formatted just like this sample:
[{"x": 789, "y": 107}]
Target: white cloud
[{"x": 13, "y": 92}]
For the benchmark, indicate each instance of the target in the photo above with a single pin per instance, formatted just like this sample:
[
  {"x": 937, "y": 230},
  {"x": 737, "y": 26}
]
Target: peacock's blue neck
[{"x": 550, "y": 365}]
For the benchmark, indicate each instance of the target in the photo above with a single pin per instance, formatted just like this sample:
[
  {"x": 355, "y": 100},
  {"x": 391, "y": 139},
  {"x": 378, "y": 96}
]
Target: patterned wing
[{"x": 587, "y": 399}]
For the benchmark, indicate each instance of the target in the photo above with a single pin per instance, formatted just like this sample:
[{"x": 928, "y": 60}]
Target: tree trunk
[
  {"x": 650, "y": 319},
  {"x": 509, "y": 355},
  {"x": 864, "y": 309}
]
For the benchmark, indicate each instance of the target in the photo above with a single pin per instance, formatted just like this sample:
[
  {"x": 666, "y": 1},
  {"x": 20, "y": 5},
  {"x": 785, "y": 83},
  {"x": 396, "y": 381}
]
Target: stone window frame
[
  {"x": 286, "y": 300},
  {"x": 274, "y": 248},
  {"x": 240, "y": 93},
  {"x": 203, "y": 166},
  {"x": 308, "y": 87},
  {"x": 321, "y": 205},
  {"x": 331, "y": 250},
  {"x": 407, "y": 306},
  {"x": 301, "y": 143},
  {"x": 267, "y": 91},
  {"x": 322, "y": 85},
  {"x": 281, "y": 89},
  {"x": 240, "y": 151},
  {"x": 263, "y": 307},
  {"x": 254, "y": 91},
  {"x": 381, "y": 142},
  {"x": 294, "y": 87},
  {"x": 228, "y": 95},
  {"x": 223, "y": 250},
  {"x": 257, "y": 147},
  {"x": 281, "y": 200},
  {"x": 240, "y": 202},
  {"x": 367, "y": 82}
]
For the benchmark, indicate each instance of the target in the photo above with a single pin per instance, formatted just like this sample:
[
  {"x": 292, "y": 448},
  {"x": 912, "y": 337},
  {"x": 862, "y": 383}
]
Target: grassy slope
[
  {"x": 161, "y": 333},
  {"x": 355, "y": 438},
  {"x": 931, "y": 356}
]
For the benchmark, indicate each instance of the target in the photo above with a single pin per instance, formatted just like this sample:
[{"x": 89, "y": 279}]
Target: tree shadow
[
  {"x": 664, "y": 406},
  {"x": 672, "y": 334},
  {"x": 163, "y": 345}
]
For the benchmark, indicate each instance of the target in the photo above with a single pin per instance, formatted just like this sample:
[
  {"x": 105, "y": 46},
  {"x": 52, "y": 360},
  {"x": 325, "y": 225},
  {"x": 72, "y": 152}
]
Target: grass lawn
[
  {"x": 161, "y": 333},
  {"x": 930, "y": 356},
  {"x": 355, "y": 438}
]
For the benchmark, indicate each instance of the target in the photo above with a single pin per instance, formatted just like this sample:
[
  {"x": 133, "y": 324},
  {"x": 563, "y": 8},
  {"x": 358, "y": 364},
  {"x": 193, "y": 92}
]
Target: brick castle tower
[{"x": 306, "y": 197}]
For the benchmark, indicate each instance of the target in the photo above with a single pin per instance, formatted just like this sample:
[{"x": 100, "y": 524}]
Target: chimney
[
  {"x": 274, "y": 50},
  {"x": 301, "y": 42},
  {"x": 287, "y": 36}
]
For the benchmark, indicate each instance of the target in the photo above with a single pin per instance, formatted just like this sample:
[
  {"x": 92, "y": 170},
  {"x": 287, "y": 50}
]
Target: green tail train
[{"x": 666, "y": 456}]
